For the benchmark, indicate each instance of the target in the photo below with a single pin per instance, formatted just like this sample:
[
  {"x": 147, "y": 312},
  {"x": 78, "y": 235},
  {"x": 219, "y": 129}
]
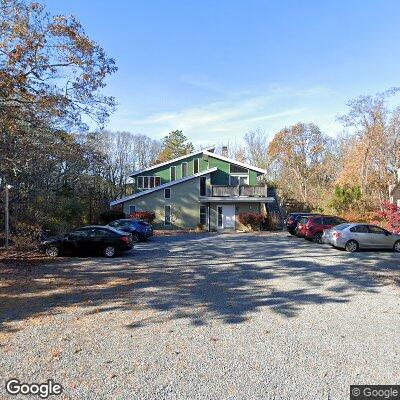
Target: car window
[
  {"x": 317, "y": 221},
  {"x": 328, "y": 221},
  {"x": 79, "y": 234},
  {"x": 98, "y": 233},
  {"x": 116, "y": 223},
  {"x": 303, "y": 220},
  {"x": 360, "y": 229},
  {"x": 342, "y": 227},
  {"x": 377, "y": 230}
]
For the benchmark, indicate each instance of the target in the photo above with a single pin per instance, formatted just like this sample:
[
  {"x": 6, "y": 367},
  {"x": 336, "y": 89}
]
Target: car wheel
[
  {"x": 109, "y": 251},
  {"x": 135, "y": 237},
  {"x": 318, "y": 237},
  {"x": 52, "y": 250},
  {"x": 396, "y": 246},
  {"x": 352, "y": 246}
]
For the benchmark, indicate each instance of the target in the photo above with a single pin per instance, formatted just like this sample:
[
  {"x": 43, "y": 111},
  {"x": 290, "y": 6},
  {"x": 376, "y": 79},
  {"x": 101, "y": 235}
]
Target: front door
[{"x": 226, "y": 216}]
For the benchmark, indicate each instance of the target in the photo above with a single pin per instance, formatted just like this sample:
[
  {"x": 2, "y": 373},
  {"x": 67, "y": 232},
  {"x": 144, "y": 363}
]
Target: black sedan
[
  {"x": 88, "y": 240},
  {"x": 140, "y": 230}
]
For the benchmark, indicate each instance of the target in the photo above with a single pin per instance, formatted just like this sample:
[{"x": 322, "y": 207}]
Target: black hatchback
[{"x": 97, "y": 239}]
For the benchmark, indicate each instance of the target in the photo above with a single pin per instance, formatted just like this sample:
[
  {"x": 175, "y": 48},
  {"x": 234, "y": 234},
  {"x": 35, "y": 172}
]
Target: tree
[
  {"x": 174, "y": 145},
  {"x": 372, "y": 151},
  {"x": 301, "y": 158},
  {"x": 257, "y": 148},
  {"x": 51, "y": 72},
  {"x": 345, "y": 198}
]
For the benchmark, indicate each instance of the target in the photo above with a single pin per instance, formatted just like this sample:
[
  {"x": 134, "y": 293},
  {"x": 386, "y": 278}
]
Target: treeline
[{"x": 348, "y": 174}]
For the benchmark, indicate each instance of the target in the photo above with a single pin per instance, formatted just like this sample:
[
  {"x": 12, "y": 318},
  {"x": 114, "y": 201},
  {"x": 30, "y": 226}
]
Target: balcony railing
[{"x": 245, "y": 190}]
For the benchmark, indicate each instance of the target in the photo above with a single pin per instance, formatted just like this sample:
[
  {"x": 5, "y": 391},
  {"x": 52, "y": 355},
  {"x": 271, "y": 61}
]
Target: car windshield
[{"x": 341, "y": 227}]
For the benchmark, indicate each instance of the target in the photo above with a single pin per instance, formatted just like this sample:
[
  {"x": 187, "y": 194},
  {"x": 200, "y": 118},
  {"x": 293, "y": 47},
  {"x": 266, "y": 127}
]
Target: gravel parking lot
[{"x": 208, "y": 316}]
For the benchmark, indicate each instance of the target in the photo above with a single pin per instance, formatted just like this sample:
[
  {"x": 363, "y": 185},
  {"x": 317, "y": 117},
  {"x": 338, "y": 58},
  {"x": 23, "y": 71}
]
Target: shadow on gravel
[{"x": 225, "y": 277}]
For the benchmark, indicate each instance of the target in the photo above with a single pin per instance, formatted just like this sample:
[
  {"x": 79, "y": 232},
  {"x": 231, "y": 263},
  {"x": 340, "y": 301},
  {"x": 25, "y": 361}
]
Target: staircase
[{"x": 275, "y": 210}]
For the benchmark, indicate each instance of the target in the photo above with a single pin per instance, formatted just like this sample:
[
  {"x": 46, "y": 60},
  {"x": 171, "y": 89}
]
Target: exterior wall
[
  {"x": 239, "y": 208},
  {"x": 164, "y": 171},
  {"x": 184, "y": 202}
]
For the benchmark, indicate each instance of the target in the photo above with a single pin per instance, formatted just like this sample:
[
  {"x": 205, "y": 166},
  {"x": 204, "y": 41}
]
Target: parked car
[
  {"x": 312, "y": 227},
  {"x": 140, "y": 230},
  {"x": 98, "y": 239},
  {"x": 293, "y": 219},
  {"x": 355, "y": 236}
]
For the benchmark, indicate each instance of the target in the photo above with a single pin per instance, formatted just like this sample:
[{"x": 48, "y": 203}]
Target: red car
[{"x": 312, "y": 227}]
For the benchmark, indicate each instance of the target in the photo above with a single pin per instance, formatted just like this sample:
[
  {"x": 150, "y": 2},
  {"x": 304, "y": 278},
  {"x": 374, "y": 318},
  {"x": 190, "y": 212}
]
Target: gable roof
[
  {"x": 231, "y": 160},
  {"x": 163, "y": 186},
  {"x": 135, "y": 173}
]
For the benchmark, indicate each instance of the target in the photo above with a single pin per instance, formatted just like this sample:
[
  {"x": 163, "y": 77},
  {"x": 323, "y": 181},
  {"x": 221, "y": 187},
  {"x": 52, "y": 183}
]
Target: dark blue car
[{"x": 140, "y": 230}]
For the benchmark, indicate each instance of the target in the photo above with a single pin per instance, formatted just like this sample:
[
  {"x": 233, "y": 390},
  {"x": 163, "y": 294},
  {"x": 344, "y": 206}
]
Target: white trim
[
  {"x": 170, "y": 214},
  {"x": 164, "y": 185},
  {"x": 208, "y": 150},
  {"x": 231, "y": 160},
  {"x": 236, "y": 199},
  {"x": 169, "y": 193},
  {"x": 149, "y": 178}
]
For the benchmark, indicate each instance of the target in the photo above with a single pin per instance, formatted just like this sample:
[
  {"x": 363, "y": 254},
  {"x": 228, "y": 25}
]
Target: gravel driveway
[{"x": 233, "y": 316}]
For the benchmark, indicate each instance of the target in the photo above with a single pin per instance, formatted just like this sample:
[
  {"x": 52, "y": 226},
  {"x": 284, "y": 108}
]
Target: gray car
[{"x": 355, "y": 236}]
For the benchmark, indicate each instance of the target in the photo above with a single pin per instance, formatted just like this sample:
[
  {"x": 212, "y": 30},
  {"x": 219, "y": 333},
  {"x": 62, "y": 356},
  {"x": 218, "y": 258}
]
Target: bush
[
  {"x": 251, "y": 220},
  {"x": 147, "y": 216},
  {"x": 391, "y": 217},
  {"x": 111, "y": 215}
]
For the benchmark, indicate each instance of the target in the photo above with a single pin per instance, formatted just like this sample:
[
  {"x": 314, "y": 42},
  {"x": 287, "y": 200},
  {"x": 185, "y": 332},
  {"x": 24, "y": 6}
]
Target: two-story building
[{"x": 199, "y": 188}]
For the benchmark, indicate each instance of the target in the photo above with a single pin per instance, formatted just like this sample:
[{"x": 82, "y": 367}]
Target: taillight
[
  {"x": 336, "y": 235},
  {"x": 125, "y": 239}
]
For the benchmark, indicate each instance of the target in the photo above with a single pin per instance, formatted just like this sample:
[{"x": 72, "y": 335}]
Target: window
[
  {"x": 195, "y": 165},
  {"x": 167, "y": 193},
  {"x": 148, "y": 182},
  {"x": 167, "y": 215},
  {"x": 203, "y": 186},
  {"x": 317, "y": 221},
  {"x": 236, "y": 180},
  {"x": 377, "y": 230},
  {"x": 184, "y": 169},
  {"x": 203, "y": 215},
  {"x": 98, "y": 233},
  {"x": 78, "y": 234},
  {"x": 237, "y": 169},
  {"x": 360, "y": 229},
  {"x": 132, "y": 209},
  {"x": 220, "y": 215},
  {"x": 173, "y": 173}
]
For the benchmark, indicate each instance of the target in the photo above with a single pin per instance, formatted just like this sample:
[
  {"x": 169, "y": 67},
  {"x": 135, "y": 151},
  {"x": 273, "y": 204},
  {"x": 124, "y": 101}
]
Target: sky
[{"x": 217, "y": 69}]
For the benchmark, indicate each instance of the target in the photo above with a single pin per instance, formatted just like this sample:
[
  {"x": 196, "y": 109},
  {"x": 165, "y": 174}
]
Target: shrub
[
  {"x": 111, "y": 215},
  {"x": 391, "y": 216},
  {"x": 147, "y": 216},
  {"x": 345, "y": 198},
  {"x": 251, "y": 220}
]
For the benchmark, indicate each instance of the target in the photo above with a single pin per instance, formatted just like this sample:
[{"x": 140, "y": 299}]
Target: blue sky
[{"x": 216, "y": 69}]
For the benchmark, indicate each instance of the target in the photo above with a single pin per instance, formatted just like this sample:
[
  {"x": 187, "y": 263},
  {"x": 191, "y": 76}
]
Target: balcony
[{"x": 242, "y": 190}]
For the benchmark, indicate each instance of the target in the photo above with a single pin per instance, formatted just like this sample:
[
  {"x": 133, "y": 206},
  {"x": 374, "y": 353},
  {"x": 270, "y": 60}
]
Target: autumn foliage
[
  {"x": 147, "y": 216},
  {"x": 251, "y": 220},
  {"x": 390, "y": 215}
]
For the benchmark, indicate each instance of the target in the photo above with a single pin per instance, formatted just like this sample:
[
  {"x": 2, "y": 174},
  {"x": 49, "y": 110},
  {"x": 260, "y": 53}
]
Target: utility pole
[{"x": 7, "y": 217}]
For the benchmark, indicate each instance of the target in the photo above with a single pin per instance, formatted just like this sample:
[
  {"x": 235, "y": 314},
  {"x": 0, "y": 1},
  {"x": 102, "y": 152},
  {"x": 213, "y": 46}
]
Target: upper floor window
[
  {"x": 167, "y": 193},
  {"x": 203, "y": 186},
  {"x": 184, "y": 169},
  {"x": 237, "y": 169},
  {"x": 148, "y": 182},
  {"x": 195, "y": 165},
  {"x": 236, "y": 180},
  {"x": 173, "y": 173}
]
